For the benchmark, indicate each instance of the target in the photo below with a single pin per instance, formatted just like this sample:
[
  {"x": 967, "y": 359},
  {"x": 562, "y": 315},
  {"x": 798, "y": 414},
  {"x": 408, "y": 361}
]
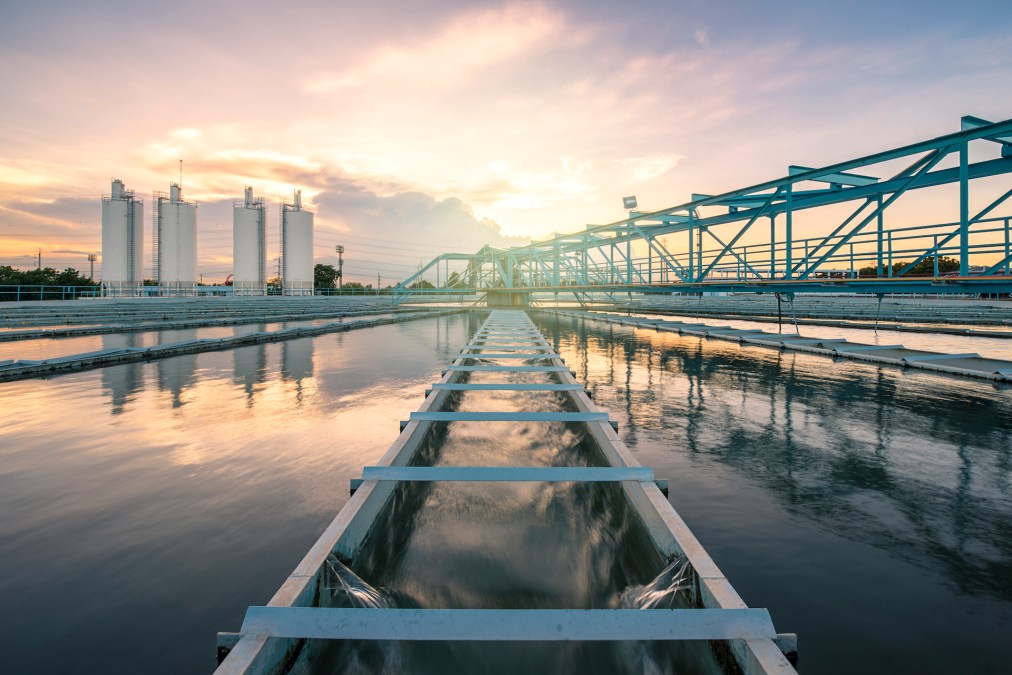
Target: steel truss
[{"x": 709, "y": 243}]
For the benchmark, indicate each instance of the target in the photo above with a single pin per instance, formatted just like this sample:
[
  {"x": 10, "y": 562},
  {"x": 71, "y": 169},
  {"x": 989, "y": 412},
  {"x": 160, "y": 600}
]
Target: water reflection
[
  {"x": 121, "y": 382},
  {"x": 912, "y": 464},
  {"x": 166, "y": 519},
  {"x": 179, "y": 373},
  {"x": 297, "y": 360},
  {"x": 249, "y": 364},
  {"x": 773, "y": 415}
]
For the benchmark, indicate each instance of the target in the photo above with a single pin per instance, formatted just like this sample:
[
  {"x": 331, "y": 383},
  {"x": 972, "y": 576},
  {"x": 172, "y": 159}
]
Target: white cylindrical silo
[
  {"x": 176, "y": 247},
  {"x": 297, "y": 247},
  {"x": 122, "y": 241},
  {"x": 249, "y": 245}
]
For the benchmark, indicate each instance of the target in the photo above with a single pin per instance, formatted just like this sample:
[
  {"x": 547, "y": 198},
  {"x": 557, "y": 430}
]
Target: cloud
[
  {"x": 472, "y": 42},
  {"x": 449, "y": 126},
  {"x": 407, "y": 218},
  {"x": 66, "y": 230}
]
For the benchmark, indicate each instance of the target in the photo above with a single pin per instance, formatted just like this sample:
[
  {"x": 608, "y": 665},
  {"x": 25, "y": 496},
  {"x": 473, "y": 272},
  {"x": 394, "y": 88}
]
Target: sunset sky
[{"x": 415, "y": 128}]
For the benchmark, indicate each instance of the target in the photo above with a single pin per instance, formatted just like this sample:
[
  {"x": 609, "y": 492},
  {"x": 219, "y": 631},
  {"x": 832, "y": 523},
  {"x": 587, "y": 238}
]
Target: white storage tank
[
  {"x": 249, "y": 245},
  {"x": 175, "y": 248},
  {"x": 122, "y": 241},
  {"x": 296, "y": 247}
]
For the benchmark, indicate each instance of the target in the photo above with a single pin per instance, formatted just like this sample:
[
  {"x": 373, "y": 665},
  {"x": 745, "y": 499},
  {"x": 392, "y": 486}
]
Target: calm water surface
[
  {"x": 148, "y": 504},
  {"x": 869, "y": 509}
]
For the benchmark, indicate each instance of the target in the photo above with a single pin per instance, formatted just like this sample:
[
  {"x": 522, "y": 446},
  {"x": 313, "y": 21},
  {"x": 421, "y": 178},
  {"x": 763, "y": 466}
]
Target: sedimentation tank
[
  {"x": 249, "y": 245},
  {"x": 175, "y": 247},
  {"x": 296, "y": 247},
  {"x": 122, "y": 241}
]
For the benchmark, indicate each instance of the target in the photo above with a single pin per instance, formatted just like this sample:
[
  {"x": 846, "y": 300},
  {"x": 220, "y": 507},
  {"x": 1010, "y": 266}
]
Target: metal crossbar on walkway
[
  {"x": 551, "y": 625},
  {"x": 509, "y": 417},
  {"x": 508, "y": 348},
  {"x": 505, "y": 386},
  {"x": 510, "y": 369},
  {"x": 511, "y": 355},
  {"x": 510, "y": 474}
]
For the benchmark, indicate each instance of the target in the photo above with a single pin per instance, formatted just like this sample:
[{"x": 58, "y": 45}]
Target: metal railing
[
  {"x": 35, "y": 292},
  {"x": 28, "y": 292}
]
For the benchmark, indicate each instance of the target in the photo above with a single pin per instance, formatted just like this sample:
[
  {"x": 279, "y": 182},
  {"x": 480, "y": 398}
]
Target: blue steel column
[
  {"x": 1008, "y": 264},
  {"x": 773, "y": 247},
  {"x": 555, "y": 266},
  {"x": 691, "y": 258},
  {"x": 650, "y": 260},
  {"x": 586, "y": 245},
  {"x": 628, "y": 255},
  {"x": 881, "y": 227},
  {"x": 964, "y": 210},
  {"x": 699, "y": 251},
  {"x": 889, "y": 239},
  {"x": 788, "y": 235}
]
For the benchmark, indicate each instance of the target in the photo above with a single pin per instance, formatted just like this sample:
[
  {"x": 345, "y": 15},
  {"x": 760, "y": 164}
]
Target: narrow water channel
[{"x": 460, "y": 545}]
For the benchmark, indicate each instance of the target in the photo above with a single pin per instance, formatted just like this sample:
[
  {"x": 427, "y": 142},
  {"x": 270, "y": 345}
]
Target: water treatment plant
[{"x": 761, "y": 431}]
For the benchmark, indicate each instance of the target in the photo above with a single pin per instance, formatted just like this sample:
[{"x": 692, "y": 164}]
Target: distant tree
[
  {"x": 456, "y": 280},
  {"x": 9, "y": 275},
  {"x": 325, "y": 276},
  {"x": 353, "y": 286},
  {"x": 927, "y": 266},
  {"x": 47, "y": 276},
  {"x": 421, "y": 284},
  {"x": 149, "y": 282},
  {"x": 924, "y": 267},
  {"x": 71, "y": 277}
]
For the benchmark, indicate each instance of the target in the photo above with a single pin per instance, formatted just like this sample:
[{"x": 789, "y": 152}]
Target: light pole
[
  {"x": 340, "y": 266},
  {"x": 91, "y": 259}
]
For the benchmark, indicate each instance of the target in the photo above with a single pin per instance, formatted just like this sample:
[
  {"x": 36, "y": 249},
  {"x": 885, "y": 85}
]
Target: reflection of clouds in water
[
  {"x": 911, "y": 463},
  {"x": 515, "y": 545},
  {"x": 190, "y": 489}
]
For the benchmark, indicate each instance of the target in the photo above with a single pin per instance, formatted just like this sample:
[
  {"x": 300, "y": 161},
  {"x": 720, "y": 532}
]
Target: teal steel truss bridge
[{"x": 855, "y": 226}]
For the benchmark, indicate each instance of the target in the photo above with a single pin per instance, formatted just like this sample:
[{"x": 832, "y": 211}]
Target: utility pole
[
  {"x": 378, "y": 282},
  {"x": 91, "y": 259},
  {"x": 340, "y": 265},
  {"x": 39, "y": 266}
]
